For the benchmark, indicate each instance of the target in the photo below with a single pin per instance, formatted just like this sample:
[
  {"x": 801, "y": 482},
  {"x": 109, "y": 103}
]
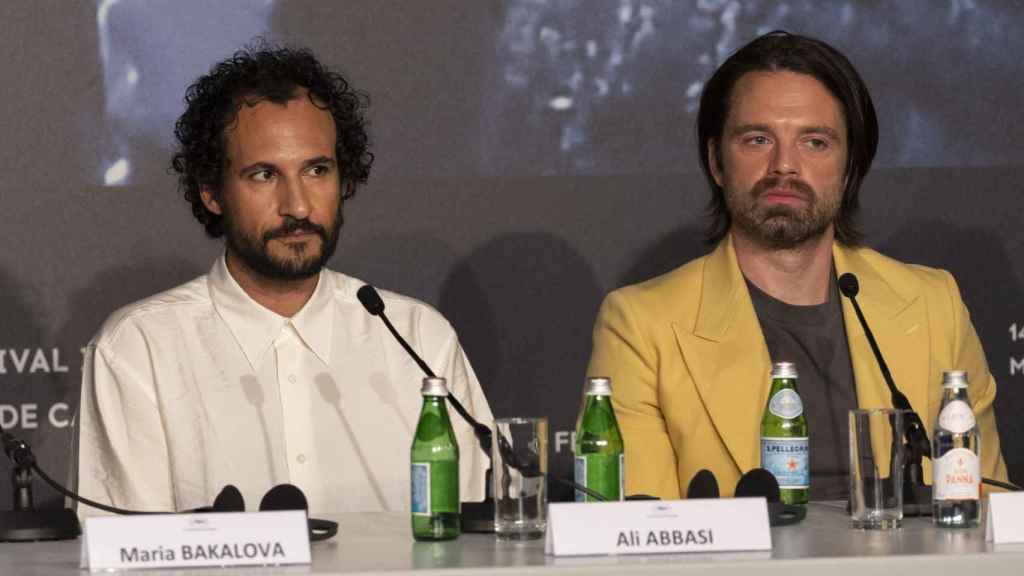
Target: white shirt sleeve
[{"x": 122, "y": 458}]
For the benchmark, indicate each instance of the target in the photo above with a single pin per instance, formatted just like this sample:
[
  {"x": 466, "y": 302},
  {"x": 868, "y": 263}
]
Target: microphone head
[
  {"x": 229, "y": 500},
  {"x": 848, "y": 285},
  {"x": 703, "y": 485},
  {"x": 284, "y": 497},
  {"x": 758, "y": 482},
  {"x": 370, "y": 300}
]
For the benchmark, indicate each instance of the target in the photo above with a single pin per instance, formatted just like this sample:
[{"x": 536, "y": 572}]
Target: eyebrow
[
  {"x": 260, "y": 166},
  {"x": 822, "y": 129}
]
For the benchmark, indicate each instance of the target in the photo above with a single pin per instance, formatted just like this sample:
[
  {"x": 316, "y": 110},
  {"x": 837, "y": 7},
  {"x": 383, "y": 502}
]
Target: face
[
  {"x": 782, "y": 158},
  {"x": 280, "y": 197}
]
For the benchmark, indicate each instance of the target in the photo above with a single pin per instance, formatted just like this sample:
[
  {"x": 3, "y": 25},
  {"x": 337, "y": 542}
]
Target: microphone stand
[
  {"x": 24, "y": 523},
  {"x": 917, "y": 496}
]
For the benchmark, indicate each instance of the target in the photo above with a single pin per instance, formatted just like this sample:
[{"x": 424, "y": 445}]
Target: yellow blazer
[{"x": 690, "y": 367}]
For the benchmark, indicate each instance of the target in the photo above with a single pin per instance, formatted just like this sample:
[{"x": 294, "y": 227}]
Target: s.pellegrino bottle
[
  {"x": 956, "y": 449},
  {"x": 435, "y": 468},
  {"x": 785, "y": 450},
  {"x": 600, "y": 462}
]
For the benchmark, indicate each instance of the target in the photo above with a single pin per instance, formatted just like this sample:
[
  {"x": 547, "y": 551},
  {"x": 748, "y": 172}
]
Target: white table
[{"x": 821, "y": 544}]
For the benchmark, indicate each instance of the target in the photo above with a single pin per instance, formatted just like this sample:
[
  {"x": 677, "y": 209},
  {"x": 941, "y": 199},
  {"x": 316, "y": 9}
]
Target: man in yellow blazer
[{"x": 788, "y": 131}]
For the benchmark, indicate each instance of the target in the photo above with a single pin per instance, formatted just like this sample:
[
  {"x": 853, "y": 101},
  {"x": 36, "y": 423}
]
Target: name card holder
[
  {"x": 194, "y": 540},
  {"x": 650, "y": 527},
  {"x": 1005, "y": 524}
]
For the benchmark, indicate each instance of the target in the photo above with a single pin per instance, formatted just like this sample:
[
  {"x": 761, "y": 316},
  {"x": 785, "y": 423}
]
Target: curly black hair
[{"x": 254, "y": 74}]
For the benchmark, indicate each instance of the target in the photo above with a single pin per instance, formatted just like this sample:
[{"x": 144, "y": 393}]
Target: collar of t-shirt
[
  {"x": 793, "y": 314},
  {"x": 255, "y": 328}
]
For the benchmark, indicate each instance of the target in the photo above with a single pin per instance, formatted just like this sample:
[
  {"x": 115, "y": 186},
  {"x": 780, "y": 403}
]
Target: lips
[
  {"x": 788, "y": 191},
  {"x": 784, "y": 195}
]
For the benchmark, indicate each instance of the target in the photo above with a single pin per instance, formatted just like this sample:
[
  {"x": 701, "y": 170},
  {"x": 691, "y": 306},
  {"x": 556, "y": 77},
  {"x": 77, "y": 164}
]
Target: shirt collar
[{"x": 255, "y": 327}]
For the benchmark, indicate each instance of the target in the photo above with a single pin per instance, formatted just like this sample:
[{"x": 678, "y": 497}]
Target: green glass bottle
[
  {"x": 435, "y": 468},
  {"x": 785, "y": 450},
  {"x": 598, "y": 446}
]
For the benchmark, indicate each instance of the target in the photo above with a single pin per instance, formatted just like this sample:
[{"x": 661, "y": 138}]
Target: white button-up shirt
[{"x": 200, "y": 386}]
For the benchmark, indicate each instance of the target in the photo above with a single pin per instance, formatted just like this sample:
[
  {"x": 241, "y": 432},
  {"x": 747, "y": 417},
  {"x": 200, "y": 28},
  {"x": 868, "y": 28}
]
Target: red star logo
[{"x": 791, "y": 464}]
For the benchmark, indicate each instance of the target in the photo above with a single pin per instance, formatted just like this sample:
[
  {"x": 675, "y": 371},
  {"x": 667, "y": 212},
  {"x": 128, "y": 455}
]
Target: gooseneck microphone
[
  {"x": 916, "y": 494},
  {"x": 915, "y": 433},
  {"x": 373, "y": 304},
  {"x": 476, "y": 516}
]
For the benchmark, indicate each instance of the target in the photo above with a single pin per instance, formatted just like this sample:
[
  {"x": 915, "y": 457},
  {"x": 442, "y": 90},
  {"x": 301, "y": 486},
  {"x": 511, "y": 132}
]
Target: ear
[
  {"x": 210, "y": 199},
  {"x": 714, "y": 161}
]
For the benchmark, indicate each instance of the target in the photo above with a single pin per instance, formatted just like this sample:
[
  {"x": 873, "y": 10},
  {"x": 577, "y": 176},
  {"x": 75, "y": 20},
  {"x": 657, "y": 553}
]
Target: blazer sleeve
[
  {"x": 968, "y": 355},
  {"x": 622, "y": 353}
]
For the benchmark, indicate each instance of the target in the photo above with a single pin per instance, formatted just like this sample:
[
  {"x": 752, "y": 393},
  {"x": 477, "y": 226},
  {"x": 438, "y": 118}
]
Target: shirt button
[
  {"x": 291, "y": 378},
  {"x": 301, "y": 458}
]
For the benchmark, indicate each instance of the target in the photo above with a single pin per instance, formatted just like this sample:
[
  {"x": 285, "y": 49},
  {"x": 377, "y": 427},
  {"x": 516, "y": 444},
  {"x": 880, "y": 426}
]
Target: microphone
[
  {"x": 290, "y": 497},
  {"x": 703, "y": 485},
  {"x": 476, "y": 516},
  {"x": 755, "y": 483},
  {"x": 374, "y": 305},
  {"x": 758, "y": 482},
  {"x": 916, "y": 495},
  {"x": 916, "y": 434},
  {"x": 24, "y": 523},
  {"x": 229, "y": 500}
]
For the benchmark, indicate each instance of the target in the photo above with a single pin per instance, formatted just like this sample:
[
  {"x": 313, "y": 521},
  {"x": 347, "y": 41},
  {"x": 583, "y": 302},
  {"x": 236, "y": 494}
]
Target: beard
[
  {"x": 779, "y": 226},
  {"x": 303, "y": 261}
]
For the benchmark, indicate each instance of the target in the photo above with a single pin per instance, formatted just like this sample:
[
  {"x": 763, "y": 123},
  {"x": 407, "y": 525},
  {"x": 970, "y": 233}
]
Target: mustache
[
  {"x": 292, "y": 225},
  {"x": 797, "y": 185}
]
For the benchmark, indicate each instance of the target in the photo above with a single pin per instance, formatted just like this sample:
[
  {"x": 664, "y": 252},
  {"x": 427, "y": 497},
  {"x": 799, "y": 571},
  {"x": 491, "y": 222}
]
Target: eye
[
  {"x": 757, "y": 140},
  {"x": 264, "y": 175},
  {"x": 817, "y": 144},
  {"x": 320, "y": 170}
]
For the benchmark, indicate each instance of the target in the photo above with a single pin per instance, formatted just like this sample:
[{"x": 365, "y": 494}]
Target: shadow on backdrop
[
  {"x": 21, "y": 339},
  {"x": 523, "y": 305},
  {"x": 668, "y": 253},
  {"x": 979, "y": 261}
]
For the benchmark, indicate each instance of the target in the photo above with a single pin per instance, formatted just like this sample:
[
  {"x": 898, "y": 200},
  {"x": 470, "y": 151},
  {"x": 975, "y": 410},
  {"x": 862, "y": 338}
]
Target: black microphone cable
[{"x": 229, "y": 499}]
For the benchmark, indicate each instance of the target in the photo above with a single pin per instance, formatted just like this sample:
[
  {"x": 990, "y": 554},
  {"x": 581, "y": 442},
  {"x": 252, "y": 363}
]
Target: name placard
[
  {"x": 193, "y": 540},
  {"x": 1005, "y": 522},
  {"x": 649, "y": 527}
]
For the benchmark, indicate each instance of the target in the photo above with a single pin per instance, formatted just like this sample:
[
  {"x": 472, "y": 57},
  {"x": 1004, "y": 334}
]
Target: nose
[
  {"x": 293, "y": 199},
  {"x": 785, "y": 160}
]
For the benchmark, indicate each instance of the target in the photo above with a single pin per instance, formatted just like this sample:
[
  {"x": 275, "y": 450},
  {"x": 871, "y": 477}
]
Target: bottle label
[
  {"x": 602, "y": 473},
  {"x": 956, "y": 476},
  {"x": 957, "y": 417},
  {"x": 420, "y": 500},
  {"x": 788, "y": 459},
  {"x": 786, "y": 404}
]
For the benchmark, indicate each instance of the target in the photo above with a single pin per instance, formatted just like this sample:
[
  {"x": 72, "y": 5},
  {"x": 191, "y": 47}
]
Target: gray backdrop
[{"x": 531, "y": 156}]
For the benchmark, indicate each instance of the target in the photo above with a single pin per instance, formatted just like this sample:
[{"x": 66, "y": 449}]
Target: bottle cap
[
  {"x": 434, "y": 387},
  {"x": 598, "y": 386},
  {"x": 954, "y": 379},
  {"x": 784, "y": 370}
]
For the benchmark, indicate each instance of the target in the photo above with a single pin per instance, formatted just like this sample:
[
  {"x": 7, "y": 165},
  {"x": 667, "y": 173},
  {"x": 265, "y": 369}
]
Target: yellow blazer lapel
[
  {"x": 898, "y": 318},
  {"x": 727, "y": 357}
]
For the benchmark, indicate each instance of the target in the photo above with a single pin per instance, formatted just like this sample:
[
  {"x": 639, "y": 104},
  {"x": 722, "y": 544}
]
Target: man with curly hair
[{"x": 267, "y": 370}]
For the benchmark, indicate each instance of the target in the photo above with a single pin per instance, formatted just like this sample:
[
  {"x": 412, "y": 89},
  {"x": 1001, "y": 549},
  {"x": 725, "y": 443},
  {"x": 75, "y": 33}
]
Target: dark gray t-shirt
[{"x": 814, "y": 338}]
